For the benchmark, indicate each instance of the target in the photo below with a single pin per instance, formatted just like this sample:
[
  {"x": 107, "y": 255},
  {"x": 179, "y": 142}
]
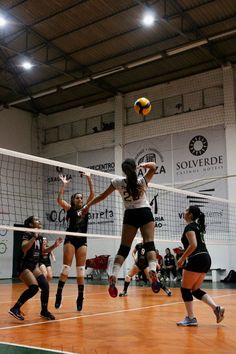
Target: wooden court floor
[{"x": 142, "y": 322}]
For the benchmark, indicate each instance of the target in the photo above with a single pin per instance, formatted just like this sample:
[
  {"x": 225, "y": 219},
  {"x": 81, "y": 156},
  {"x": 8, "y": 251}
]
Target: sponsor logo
[
  {"x": 198, "y": 146},
  {"x": 57, "y": 179},
  {"x": 105, "y": 167},
  {"x": 150, "y": 155},
  {"x": 158, "y": 219}
]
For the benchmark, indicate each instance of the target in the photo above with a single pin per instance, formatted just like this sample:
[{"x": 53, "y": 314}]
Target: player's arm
[
  {"x": 191, "y": 236},
  {"x": 60, "y": 199},
  {"x": 151, "y": 169},
  {"x": 98, "y": 198},
  {"x": 91, "y": 188},
  {"x": 27, "y": 244}
]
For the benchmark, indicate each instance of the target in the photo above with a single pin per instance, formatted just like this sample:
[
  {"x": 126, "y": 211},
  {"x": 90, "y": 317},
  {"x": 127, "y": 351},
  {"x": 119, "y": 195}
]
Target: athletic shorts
[
  {"x": 27, "y": 265},
  {"x": 77, "y": 242},
  {"x": 138, "y": 217},
  {"x": 200, "y": 263},
  {"x": 47, "y": 263},
  {"x": 141, "y": 265}
]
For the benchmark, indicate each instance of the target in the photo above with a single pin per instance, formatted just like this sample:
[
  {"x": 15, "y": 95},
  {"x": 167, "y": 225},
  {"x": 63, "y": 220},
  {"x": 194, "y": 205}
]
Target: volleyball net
[{"x": 29, "y": 185}]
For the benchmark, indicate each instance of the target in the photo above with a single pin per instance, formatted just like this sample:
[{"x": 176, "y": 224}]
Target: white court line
[
  {"x": 38, "y": 348},
  {"x": 104, "y": 313}
]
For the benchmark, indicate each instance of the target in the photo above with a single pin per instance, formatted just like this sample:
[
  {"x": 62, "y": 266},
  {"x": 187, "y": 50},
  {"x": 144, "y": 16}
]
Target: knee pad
[
  {"x": 43, "y": 283},
  {"x": 127, "y": 278},
  {"x": 123, "y": 251},
  {"x": 65, "y": 270},
  {"x": 80, "y": 271},
  {"x": 198, "y": 294},
  {"x": 186, "y": 294},
  {"x": 33, "y": 289},
  {"x": 149, "y": 246}
]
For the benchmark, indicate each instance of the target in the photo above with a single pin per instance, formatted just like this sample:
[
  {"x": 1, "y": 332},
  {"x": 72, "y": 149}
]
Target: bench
[{"x": 216, "y": 274}]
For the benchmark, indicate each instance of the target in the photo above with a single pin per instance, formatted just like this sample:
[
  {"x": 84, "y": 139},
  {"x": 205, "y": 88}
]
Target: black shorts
[
  {"x": 47, "y": 263},
  {"x": 200, "y": 263},
  {"x": 141, "y": 265},
  {"x": 77, "y": 242},
  {"x": 27, "y": 265},
  {"x": 138, "y": 217}
]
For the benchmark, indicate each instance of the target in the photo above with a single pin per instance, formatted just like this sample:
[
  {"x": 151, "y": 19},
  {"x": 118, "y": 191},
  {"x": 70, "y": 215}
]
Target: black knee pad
[
  {"x": 149, "y": 246},
  {"x": 198, "y": 294},
  {"x": 33, "y": 289},
  {"x": 186, "y": 294},
  {"x": 43, "y": 283},
  {"x": 123, "y": 251}
]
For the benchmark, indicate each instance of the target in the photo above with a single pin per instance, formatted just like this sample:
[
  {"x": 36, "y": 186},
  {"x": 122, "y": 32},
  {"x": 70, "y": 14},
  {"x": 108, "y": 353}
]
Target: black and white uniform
[
  {"x": 137, "y": 211},
  {"x": 77, "y": 223},
  {"x": 199, "y": 261},
  {"x": 141, "y": 261},
  {"x": 45, "y": 259},
  {"x": 31, "y": 258}
]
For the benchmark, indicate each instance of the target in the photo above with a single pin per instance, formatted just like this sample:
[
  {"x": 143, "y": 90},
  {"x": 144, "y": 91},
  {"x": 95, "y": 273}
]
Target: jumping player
[
  {"x": 138, "y": 215},
  {"x": 198, "y": 262},
  {"x": 74, "y": 246}
]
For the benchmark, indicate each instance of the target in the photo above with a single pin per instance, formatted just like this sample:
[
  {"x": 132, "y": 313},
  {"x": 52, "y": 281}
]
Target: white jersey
[{"x": 120, "y": 184}]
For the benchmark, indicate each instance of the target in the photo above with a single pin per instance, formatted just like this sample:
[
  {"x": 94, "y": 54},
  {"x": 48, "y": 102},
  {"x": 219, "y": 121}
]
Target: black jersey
[
  {"x": 201, "y": 246},
  {"x": 169, "y": 260},
  {"x": 141, "y": 262},
  {"x": 33, "y": 254},
  {"x": 45, "y": 259},
  {"x": 77, "y": 222}
]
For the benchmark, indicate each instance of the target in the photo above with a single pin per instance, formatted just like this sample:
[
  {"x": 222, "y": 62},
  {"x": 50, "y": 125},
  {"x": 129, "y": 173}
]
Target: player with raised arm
[
  {"x": 74, "y": 246},
  {"x": 138, "y": 215}
]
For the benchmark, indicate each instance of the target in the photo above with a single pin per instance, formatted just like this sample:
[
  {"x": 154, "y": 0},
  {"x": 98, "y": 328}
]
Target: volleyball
[{"x": 142, "y": 106}]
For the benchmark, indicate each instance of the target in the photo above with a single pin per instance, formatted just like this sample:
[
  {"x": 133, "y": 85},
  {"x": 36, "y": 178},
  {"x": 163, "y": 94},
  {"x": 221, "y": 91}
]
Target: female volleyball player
[
  {"x": 74, "y": 246},
  {"x": 137, "y": 215},
  {"x": 198, "y": 262},
  {"x": 45, "y": 260},
  {"x": 141, "y": 264},
  {"x": 29, "y": 271}
]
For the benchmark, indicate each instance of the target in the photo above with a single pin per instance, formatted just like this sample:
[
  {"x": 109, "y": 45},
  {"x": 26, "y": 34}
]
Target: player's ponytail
[
  {"x": 129, "y": 168},
  {"x": 198, "y": 216}
]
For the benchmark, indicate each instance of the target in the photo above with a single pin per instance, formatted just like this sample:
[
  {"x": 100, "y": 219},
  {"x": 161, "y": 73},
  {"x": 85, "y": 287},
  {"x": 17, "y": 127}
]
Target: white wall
[{"x": 18, "y": 131}]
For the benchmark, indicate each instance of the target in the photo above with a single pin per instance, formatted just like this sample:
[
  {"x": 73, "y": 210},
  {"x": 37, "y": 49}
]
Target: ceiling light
[
  {"x": 76, "y": 83},
  {"x": 144, "y": 61},
  {"x": 108, "y": 72},
  {"x": 3, "y": 22},
  {"x": 27, "y": 65},
  {"x": 186, "y": 47},
  {"x": 148, "y": 19}
]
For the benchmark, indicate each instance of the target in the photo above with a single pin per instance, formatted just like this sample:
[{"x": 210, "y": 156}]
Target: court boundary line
[
  {"x": 104, "y": 313},
  {"x": 36, "y": 348}
]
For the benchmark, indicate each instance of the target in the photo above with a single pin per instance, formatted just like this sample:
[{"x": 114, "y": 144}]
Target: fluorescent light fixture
[
  {"x": 221, "y": 35},
  {"x": 27, "y": 65},
  {"x": 186, "y": 47},
  {"x": 45, "y": 93},
  {"x": 3, "y": 21},
  {"x": 76, "y": 83},
  {"x": 144, "y": 61},
  {"x": 148, "y": 19},
  {"x": 108, "y": 72},
  {"x": 19, "y": 101}
]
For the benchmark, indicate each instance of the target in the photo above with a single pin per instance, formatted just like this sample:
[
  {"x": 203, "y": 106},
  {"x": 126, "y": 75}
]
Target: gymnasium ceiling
[{"x": 85, "y": 51}]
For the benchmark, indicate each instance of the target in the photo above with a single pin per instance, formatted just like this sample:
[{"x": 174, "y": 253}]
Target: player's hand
[{"x": 64, "y": 180}]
